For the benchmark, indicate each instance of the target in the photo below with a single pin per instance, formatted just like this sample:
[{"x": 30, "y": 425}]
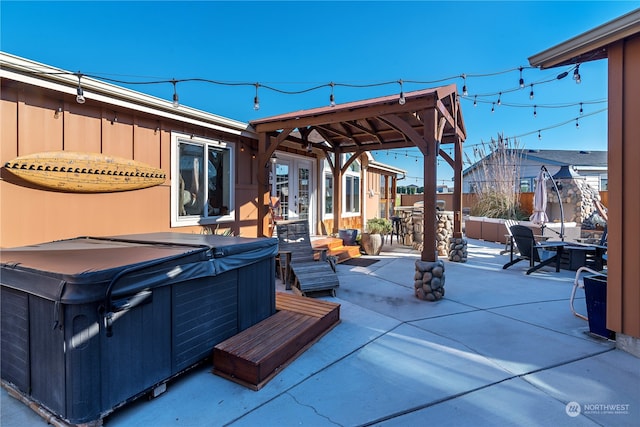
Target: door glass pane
[
  {"x": 328, "y": 196},
  {"x": 282, "y": 188},
  {"x": 303, "y": 193}
]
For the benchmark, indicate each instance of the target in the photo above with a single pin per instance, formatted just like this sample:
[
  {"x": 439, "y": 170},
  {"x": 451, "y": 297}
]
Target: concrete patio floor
[{"x": 501, "y": 349}]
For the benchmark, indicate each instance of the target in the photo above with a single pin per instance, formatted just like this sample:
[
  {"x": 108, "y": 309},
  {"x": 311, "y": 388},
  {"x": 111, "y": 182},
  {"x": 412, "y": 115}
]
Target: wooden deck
[{"x": 254, "y": 356}]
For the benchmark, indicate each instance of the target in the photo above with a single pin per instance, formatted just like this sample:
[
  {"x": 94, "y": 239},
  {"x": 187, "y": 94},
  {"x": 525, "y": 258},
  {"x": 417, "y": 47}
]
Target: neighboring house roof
[
  {"x": 582, "y": 158},
  {"x": 590, "y": 45}
]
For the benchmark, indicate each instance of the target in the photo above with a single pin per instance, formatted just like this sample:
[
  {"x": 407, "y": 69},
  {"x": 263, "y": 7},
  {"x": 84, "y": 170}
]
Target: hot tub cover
[{"x": 87, "y": 269}]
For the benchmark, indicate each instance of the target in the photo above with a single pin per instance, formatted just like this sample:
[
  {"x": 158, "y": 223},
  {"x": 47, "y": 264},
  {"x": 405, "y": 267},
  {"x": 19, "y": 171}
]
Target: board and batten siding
[{"x": 35, "y": 119}]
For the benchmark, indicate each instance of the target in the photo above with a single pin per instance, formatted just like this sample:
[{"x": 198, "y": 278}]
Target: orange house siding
[{"x": 31, "y": 123}]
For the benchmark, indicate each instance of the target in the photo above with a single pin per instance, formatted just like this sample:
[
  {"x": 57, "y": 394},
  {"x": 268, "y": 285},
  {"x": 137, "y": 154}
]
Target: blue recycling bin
[{"x": 595, "y": 290}]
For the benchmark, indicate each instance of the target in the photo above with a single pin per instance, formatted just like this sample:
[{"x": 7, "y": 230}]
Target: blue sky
[{"x": 297, "y": 45}]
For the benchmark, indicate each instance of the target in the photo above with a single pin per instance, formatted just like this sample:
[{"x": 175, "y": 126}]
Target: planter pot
[
  {"x": 595, "y": 290},
  {"x": 371, "y": 243}
]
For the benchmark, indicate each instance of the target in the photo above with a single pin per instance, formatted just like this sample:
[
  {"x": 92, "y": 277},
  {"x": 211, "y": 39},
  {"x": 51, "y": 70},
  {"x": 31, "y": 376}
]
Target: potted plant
[{"x": 371, "y": 240}]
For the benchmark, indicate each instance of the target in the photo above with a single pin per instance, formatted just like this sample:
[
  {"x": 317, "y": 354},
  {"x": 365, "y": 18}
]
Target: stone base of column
[
  {"x": 429, "y": 280},
  {"x": 458, "y": 249}
]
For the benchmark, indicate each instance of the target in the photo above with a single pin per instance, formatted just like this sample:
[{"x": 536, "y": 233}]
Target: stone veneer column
[
  {"x": 429, "y": 280},
  {"x": 458, "y": 249}
]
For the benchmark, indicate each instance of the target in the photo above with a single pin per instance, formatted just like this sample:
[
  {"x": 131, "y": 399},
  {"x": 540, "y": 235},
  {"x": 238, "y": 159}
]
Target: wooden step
[
  {"x": 327, "y": 243},
  {"x": 254, "y": 356},
  {"x": 344, "y": 253}
]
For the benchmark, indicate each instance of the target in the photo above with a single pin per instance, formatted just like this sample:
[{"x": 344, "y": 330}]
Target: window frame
[{"x": 206, "y": 143}]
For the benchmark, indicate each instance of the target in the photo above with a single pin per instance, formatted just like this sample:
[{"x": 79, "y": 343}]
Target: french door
[{"x": 293, "y": 185}]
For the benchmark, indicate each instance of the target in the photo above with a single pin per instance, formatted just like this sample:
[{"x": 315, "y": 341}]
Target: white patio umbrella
[{"x": 539, "y": 215}]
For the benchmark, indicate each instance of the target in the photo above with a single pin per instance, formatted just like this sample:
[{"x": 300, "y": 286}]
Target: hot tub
[{"x": 88, "y": 324}]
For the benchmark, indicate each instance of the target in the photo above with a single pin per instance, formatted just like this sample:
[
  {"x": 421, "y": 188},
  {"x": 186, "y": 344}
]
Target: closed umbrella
[{"x": 539, "y": 215}]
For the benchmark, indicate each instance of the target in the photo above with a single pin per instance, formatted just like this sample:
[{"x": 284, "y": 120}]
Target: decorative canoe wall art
[{"x": 76, "y": 172}]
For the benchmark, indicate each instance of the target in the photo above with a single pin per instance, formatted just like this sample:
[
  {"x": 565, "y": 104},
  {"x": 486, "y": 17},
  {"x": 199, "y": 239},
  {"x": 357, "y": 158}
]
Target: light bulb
[
  {"x": 402, "y": 99},
  {"x": 535, "y": 113},
  {"x": 464, "y": 90},
  {"x": 493, "y": 107},
  {"x": 80, "y": 97},
  {"x": 531, "y": 93},
  {"x": 176, "y": 102},
  {"x": 475, "y": 101},
  {"x": 499, "y": 96},
  {"x": 576, "y": 74},
  {"x": 332, "y": 99},
  {"x": 521, "y": 79},
  {"x": 256, "y": 100},
  {"x": 80, "y": 94}
]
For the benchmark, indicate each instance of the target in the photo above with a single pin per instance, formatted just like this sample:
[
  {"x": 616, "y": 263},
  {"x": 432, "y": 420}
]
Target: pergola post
[
  {"x": 457, "y": 189},
  {"x": 337, "y": 190},
  {"x": 431, "y": 139}
]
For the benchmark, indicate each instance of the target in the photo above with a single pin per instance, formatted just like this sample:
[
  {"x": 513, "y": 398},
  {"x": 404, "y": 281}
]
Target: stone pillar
[
  {"x": 444, "y": 231},
  {"x": 429, "y": 280},
  {"x": 458, "y": 249}
]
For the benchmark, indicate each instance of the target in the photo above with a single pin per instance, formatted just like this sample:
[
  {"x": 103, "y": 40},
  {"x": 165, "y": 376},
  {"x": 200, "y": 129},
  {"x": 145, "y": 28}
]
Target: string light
[
  {"x": 176, "y": 103},
  {"x": 535, "y": 112},
  {"x": 332, "y": 84},
  {"x": 581, "y": 110},
  {"x": 576, "y": 74},
  {"x": 539, "y": 136},
  {"x": 577, "y": 124},
  {"x": 493, "y": 107},
  {"x": 256, "y": 100},
  {"x": 557, "y": 125}
]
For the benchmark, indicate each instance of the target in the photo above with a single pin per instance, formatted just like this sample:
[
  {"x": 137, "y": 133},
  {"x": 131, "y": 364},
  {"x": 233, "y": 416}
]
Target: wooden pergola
[{"x": 427, "y": 120}]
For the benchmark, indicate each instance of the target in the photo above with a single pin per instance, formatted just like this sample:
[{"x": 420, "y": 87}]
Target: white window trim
[
  {"x": 178, "y": 221},
  {"x": 360, "y": 175}
]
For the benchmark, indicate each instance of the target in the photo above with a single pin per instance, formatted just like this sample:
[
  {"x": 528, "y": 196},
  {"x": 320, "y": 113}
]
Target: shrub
[{"x": 378, "y": 226}]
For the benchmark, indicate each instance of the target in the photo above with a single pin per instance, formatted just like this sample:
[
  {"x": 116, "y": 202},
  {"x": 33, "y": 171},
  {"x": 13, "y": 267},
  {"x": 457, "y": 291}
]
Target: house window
[
  {"x": 352, "y": 194},
  {"x": 203, "y": 190},
  {"x": 328, "y": 193},
  {"x": 604, "y": 184},
  {"x": 525, "y": 185}
]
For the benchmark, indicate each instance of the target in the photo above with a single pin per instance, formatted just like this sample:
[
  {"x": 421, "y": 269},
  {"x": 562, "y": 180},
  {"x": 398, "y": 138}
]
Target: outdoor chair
[
  {"x": 538, "y": 254},
  {"x": 509, "y": 242},
  {"x": 304, "y": 272}
]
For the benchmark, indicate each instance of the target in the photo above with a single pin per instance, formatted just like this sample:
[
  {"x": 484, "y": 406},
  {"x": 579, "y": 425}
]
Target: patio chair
[
  {"x": 308, "y": 275},
  {"x": 540, "y": 253},
  {"x": 509, "y": 242}
]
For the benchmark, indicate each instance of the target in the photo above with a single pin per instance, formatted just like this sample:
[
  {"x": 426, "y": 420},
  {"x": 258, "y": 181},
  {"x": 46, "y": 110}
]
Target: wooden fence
[{"x": 469, "y": 199}]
